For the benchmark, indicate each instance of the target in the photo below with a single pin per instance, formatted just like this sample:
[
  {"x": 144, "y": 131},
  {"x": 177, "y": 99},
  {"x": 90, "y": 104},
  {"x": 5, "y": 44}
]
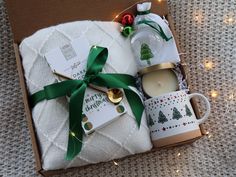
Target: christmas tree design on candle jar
[{"x": 146, "y": 53}]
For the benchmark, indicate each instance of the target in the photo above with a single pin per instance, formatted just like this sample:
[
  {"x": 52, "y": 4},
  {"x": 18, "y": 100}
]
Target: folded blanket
[{"x": 118, "y": 139}]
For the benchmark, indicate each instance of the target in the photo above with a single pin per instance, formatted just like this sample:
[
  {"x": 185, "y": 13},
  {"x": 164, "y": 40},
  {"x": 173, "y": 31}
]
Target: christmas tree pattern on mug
[
  {"x": 150, "y": 121},
  {"x": 172, "y": 126},
  {"x": 188, "y": 112},
  {"x": 162, "y": 118},
  {"x": 176, "y": 114},
  {"x": 146, "y": 53}
]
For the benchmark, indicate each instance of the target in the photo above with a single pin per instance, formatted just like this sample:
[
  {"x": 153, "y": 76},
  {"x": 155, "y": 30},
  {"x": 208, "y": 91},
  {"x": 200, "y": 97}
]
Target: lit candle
[{"x": 159, "y": 82}]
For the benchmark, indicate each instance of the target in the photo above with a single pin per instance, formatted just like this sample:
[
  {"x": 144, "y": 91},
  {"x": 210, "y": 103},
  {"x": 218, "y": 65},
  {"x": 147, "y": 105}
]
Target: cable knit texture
[{"x": 203, "y": 34}]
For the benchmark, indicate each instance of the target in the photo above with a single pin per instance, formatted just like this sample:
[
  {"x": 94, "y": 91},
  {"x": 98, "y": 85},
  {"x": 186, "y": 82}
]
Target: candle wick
[{"x": 159, "y": 84}]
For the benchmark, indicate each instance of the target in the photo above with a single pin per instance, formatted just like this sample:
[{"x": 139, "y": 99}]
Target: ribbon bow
[
  {"x": 75, "y": 89},
  {"x": 156, "y": 27}
]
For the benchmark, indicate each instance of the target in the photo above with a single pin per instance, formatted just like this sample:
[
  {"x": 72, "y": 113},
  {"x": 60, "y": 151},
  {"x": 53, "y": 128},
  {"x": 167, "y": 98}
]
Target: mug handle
[{"x": 208, "y": 106}]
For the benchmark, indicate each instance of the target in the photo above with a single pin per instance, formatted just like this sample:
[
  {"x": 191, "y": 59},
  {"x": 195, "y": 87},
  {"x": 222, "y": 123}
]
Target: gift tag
[
  {"x": 99, "y": 111},
  {"x": 70, "y": 61}
]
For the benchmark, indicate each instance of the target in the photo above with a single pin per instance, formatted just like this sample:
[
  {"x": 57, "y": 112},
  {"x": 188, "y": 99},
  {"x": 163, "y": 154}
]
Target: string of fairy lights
[{"x": 208, "y": 65}]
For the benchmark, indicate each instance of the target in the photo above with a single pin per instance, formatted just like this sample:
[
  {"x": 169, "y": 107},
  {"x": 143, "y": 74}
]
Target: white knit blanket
[{"x": 116, "y": 140}]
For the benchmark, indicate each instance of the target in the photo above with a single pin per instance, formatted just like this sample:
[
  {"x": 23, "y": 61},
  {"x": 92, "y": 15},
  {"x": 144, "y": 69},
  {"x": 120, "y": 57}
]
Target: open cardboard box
[{"x": 27, "y": 16}]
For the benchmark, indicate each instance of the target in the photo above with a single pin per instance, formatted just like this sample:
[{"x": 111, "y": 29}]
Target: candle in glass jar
[{"x": 158, "y": 82}]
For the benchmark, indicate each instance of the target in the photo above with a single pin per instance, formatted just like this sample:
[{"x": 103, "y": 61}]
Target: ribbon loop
[
  {"x": 76, "y": 90},
  {"x": 97, "y": 59},
  {"x": 156, "y": 27}
]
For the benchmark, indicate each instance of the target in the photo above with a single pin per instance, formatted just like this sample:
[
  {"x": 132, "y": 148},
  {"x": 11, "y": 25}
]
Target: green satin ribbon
[
  {"x": 143, "y": 12},
  {"x": 156, "y": 27},
  {"x": 75, "y": 89}
]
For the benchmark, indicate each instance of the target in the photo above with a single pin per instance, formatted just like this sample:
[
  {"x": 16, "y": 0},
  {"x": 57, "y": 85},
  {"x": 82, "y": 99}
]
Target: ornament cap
[{"x": 144, "y": 6}]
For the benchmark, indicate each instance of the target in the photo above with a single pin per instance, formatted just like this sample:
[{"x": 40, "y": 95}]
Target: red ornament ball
[{"x": 127, "y": 19}]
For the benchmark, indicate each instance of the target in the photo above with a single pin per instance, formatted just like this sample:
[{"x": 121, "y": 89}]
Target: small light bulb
[
  {"x": 178, "y": 154},
  {"x": 159, "y": 0},
  {"x": 207, "y": 132},
  {"x": 177, "y": 171},
  {"x": 115, "y": 163},
  {"x": 230, "y": 20},
  {"x": 208, "y": 65},
  {"x": 72, "y": 133},
  {"x": 231, "y": 97},
  {"x": 209, "y": 136},
  {"x": 198, "y": 16},
  {"x": 214, "y": 94},
  {"x": 116, "y": 16}
]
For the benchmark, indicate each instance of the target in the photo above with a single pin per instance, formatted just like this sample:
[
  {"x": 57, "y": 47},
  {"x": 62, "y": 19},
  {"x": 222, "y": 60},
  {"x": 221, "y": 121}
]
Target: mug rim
[{"x": 159, "y": 96}]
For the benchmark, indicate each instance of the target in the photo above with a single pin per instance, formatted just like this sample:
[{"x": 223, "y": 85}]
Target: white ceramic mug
[{"x": 171, "y": 118}]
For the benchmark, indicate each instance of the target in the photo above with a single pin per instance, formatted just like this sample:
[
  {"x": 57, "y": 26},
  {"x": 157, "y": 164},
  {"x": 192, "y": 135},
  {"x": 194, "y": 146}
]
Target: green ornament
[
  {"x": 150, "y": 121},
  {"x": 176, "y": 114},
  {"x": 146, "y": 53},
  {"x": 127, "y": 30},
  {"x": 188, "y": 112},
  {"x": 120, "y": 109},
  {"x": 162, "y": 118}
]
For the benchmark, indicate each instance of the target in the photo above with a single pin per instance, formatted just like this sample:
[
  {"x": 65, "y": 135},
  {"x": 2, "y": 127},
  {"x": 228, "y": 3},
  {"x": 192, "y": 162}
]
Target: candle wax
[{"x": 159, "y": 82}]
